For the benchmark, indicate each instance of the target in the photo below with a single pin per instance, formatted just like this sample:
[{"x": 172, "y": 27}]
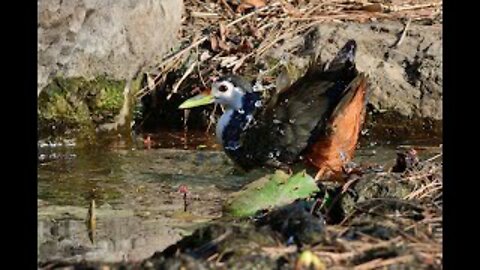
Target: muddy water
[{"x": 139, "y": 209}]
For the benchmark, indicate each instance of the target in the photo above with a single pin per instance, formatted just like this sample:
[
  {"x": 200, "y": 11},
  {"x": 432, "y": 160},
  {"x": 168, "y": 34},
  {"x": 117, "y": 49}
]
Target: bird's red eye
[{"x": 222, "y": 88}]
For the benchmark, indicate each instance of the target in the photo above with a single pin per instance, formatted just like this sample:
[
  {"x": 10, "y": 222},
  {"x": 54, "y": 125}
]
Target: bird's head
[{"x": 227, "y": 90}]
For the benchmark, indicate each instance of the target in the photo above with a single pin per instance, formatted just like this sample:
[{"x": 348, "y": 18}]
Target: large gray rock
[
  {"x": 409, "y": 79},
  {"x": 117, "y": 38}
]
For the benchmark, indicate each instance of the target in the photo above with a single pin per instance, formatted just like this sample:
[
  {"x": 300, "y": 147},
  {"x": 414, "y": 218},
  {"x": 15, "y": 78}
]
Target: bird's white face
[
  {"x": 227, "y": 94},
  {"x": 226, "y": 91}
]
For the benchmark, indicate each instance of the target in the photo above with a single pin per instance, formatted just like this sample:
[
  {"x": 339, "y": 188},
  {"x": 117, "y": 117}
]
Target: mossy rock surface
[{"x": 79, "y": 105}]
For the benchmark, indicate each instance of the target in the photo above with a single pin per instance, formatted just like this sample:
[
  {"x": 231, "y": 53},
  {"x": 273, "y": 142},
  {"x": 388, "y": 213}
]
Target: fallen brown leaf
[
  {"x": 254, "y": 31},
  {"x": 290, "y": 9},
  {"x": 214, "y": 43},
  {"x": 254, "y": 3},
  {"x": 376, "y": 7},
  {"x": 245, "y": 46},
  {"x": 223, "y": 45},
  {"x": 223, "y": 32},
  {"x": 246, "y": 4}
]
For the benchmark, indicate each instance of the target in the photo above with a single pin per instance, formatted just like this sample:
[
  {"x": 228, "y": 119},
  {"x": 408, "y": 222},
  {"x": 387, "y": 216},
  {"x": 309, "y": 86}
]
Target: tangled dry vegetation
[
  {"x": 383, "y": 231},
  {"x": 234, "y": 35}
]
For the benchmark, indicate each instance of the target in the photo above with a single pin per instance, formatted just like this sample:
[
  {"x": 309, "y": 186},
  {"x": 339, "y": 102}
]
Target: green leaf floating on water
[{"x": 270, "y": 191}]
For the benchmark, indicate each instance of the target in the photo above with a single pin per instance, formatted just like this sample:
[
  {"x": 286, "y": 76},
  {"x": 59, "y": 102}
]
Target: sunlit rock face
[{"x": 103, "y": 37}]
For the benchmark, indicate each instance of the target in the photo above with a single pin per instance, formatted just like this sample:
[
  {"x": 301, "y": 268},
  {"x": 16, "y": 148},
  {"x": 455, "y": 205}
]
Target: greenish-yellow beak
[{"x": 201, "y": 99}]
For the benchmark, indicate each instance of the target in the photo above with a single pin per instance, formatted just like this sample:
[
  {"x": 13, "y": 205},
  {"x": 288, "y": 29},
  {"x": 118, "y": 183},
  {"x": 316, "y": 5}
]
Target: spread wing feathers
[
  {"x": 287, "y": 127},
  {"x": 295, "y": 115}
]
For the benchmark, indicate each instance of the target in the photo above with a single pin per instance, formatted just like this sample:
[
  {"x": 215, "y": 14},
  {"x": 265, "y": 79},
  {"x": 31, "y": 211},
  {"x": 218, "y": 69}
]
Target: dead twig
[
  {"x": 404, "y": 33},
  {"x": 252, "y": 13},
  {"x": 212, "y": 117},
  {"x": 417, "y": 193},
  {"x": 199, "y": 71},
  {"x": 185, "y": 75},
  {"x": 285, "y": 35},
  {"x": 405, "y": 8},
  {"x": 377, "y": 263},
  {"x": 337, "y": 258},
  {"x": 434, "y": 157},
  {"x": 204, "y": 14},
  {"x": 279, "y": 251},
  {"x": 228, "y": 8},
  {"x": 345, "y": 188}
]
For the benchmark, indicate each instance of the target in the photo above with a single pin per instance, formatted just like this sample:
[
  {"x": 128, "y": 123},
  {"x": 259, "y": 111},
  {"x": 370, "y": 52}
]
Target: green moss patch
[{"x": 79, "y": 105}]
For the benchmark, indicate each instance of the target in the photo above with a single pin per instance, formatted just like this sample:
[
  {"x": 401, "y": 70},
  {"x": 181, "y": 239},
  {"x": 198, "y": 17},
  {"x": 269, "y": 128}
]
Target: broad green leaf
[{"x": 270, "y": 191}]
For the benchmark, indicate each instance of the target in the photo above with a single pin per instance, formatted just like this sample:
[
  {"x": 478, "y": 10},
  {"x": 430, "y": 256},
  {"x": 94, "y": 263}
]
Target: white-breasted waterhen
[{"x": 317, "y": 119}]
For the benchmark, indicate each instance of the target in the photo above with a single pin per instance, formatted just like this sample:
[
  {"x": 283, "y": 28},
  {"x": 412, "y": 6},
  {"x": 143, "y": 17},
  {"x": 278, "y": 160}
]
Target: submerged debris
[
  {"x": 405, "y": 160},
  {"x": 91, "y": 222},
  {"x": 183, "y": 189},
  {"x": 296, "y": 223},
  {"x": 383, "y": 219}
]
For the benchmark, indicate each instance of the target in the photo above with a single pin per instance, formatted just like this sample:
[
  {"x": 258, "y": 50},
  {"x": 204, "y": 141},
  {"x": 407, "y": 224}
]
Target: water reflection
[
  {"x": 140, "y": 210},
  {"x": 125, "y": 238}
]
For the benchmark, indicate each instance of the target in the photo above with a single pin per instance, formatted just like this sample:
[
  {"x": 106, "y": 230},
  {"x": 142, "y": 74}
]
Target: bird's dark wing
[{"x": 297, "y": 115}]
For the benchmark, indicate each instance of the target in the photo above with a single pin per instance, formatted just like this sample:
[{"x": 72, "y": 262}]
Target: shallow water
[{"x": 136, "y": 189}]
